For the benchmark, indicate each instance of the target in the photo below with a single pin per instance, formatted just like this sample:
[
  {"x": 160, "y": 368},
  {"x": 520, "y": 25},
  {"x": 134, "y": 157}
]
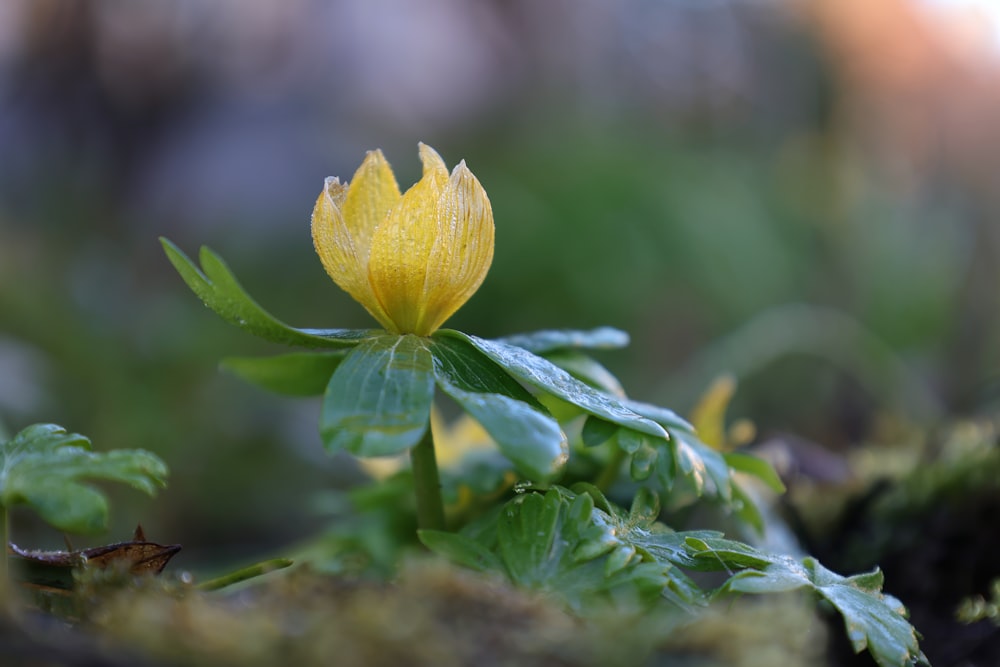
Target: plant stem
[
  {"x": 427, "y": 484},
  {"x": 244, "y": 574},
  {"x": 611, "y": 469}
]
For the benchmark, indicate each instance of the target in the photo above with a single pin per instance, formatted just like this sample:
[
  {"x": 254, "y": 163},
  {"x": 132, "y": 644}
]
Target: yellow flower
[{"x": 410, "y": 259}]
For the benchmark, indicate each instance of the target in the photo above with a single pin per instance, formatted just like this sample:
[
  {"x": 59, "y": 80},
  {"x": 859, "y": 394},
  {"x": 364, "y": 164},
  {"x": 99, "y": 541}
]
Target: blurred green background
[{"x": 803, "y": 194}]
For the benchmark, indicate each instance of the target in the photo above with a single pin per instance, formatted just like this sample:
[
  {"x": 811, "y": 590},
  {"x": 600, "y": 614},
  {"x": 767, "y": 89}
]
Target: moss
[
  {"x": 433, "y": 614},
  {"x": 752, "y": 632}
]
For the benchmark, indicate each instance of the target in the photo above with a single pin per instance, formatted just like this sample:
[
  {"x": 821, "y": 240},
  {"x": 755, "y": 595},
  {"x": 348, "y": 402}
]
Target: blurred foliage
[
  {"x": 47, "y": 469},
  {"x": 977, "y": 608}
]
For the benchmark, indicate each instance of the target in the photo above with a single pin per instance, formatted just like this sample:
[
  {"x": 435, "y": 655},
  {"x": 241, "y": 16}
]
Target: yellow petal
[
  {"x": 434, "y": 167},
  {"x": 434, "y": 249},
  {"x": 373, "y": 191},
  {"x": 344, "y": 221},
  {"x": 709, "y": 415}
]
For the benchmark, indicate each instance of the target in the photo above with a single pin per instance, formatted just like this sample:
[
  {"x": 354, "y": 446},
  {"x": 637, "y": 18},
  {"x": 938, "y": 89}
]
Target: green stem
[
  {"x": 246, "y": 573},
  {"x": 427, "y": 484},
  {"x": 611, "y": 469}
]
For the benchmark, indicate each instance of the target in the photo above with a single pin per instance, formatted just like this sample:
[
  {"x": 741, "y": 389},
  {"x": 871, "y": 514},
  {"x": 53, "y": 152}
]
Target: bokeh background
[{"x": 800, "y": 193}]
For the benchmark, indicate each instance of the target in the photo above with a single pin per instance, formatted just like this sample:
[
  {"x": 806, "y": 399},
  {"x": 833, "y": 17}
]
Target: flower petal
[
  {"x": 373, "y": 191},
  {"x": 344, "y": 220},
  {"x": 434, "y": 249}
]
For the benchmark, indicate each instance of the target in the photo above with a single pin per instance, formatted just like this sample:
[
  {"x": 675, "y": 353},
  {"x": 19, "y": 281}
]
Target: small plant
[
  {"x": 44, "y": 467},
  {"x": 579, "y": 449}
]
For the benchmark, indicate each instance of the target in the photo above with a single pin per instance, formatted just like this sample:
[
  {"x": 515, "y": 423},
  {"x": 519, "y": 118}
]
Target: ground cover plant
[{"x": 551, "y": 481}]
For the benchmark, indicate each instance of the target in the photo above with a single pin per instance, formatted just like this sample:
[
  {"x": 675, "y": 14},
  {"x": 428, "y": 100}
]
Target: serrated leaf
[
  {"x": 460, "y": 549},
  {"x": 600, "y": 500},
  {"x": 715, "y": 553},
  {"x": 561, "y": 542},
  {"x": 45, "y": 467},
  {"x": 683, "y": 455},
  {"x": 656, "y": 543},
  {"x": 547, "y": 377},
  {"x": 705, "y": 470},
  {"x": 873, "y": 620},
  {"x": 378, "y": 401},
  {"x": 542, "y": 342},
  {"x": 638, "y": 528},
  {"x": 216, "y": 286},
  {"x": 530, "y": 534},
  {"x": 294, "y": 374},
  {"x": 636, "y": 535},
  {"x": 541, "y": 544}
]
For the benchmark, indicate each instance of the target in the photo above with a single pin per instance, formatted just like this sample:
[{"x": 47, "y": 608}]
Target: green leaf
[
  {"x": 745, "y": 507},
  {"x": 562, "y": 543},
  {"x": 644, "y": 460},
  {"x": 578, "y": 546},
  {"x": 596, "y": 431},
  {"x": 547, "y": 377},
  {"x": 460, "y": 363},
  {"x": 587, "y": 370},
  {"x": 460, "y": 549},
  {"x": 542, "y": 543},
  {"x": 714, "y": 553},
  {"x": 660, "y": 546},
  {"x": 294, "y": 374},
  {"x": 44, "y": 467},
  {"x": 663, "y": 416},
  {"x": 379, "y": 399},
  {"x": 535, "y": 539},
  {"x": 756, "y": 467},
  {"x": 703, "y": 465},
  {"x": 705, "y": 469},
  {"x": 873, "y": 620},
  {"x": 639, "y": 529},
  {"x": 524, "y": 430},
  {"x": 542, "y": 342},
  {"x": 630, "y": 441},
  {"x": 220, "y": 291},
  {"x": 531, "y": 439}
]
